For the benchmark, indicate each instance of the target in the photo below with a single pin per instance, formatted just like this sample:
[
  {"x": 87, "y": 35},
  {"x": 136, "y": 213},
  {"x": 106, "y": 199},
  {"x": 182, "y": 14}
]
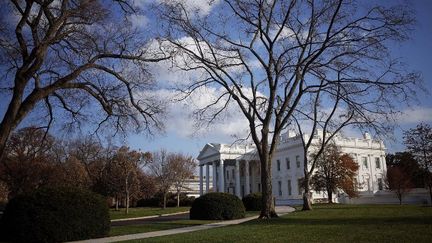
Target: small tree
[
  {"x": 335, "y": 171},
  {"x": 419, "y": 142},
  {"x": 398, "y": 181},
  {"x": 183, "y": 168},
  {"x": 160, "y": 167},
  {"x": 127, "y": 166},
  {"x": 408, "y": 164}
]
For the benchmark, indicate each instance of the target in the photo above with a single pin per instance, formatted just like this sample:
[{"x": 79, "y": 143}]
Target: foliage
[
  {"x": 335, "y": 171},
  {"x": 56, "y": 215},
  {"x": 406, "y": 162},
  {"x": 217, "y": 205},
  {"x": 398, "y": 181},
  {"x": 30, "y": 161},
  {"x": 419, "y": 142},
  {"x": 253, "y": 201},
  {"x": 171, "y": 200}
]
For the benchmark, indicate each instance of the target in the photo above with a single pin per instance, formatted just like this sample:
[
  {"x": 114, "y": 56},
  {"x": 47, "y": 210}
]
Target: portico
[{"x": 230, "y": 166}]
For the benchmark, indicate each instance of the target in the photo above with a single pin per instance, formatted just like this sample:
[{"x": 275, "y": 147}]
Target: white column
[
  {"x": 201, "y": 179},
  {"x": 247, "y": 179},
  {"x": 214, "y": 176},
  {"x": 237, "y": 178},
  {"x": 221, "y": 176},
  {"x": 371, "y": 173},
  {"x": 207, "y": 178}
]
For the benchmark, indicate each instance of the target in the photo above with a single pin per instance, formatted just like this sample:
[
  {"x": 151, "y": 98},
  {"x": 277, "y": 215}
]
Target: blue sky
[
  {"x": 417, "y": 53},
  {"x": 180, "y": 135}
]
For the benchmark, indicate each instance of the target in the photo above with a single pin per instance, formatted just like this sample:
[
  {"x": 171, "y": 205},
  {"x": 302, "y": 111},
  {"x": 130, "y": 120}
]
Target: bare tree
[
  {"x": 127, "y": 167},
  {"x": 63, "y": 57},
  {"x": 272, "y": 57},
  {"x": 183, "y": 168},
  {"x": 419, "y": 142},
  {"x": 160, "y": 168}
]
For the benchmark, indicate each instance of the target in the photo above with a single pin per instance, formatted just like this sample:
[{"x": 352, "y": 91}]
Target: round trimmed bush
[
  {"x": 56, "y": 215},
  {"x": 253, "y": 201},
  {"x": 217, "y": 205}
]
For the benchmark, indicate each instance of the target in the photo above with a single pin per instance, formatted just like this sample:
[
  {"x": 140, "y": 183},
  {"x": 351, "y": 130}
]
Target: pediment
[{"x": 209, "y": 150}]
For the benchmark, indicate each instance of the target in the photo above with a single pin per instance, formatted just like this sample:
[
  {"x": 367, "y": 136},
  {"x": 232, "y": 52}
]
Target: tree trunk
[
  {"x": 430, "y": 193},
  {"x": 329, "y": 195},
  {"x": 127, "y": 201},
  {"x": 117, "y": 203},
  {"x": 268, "y": 209},
  {"x": 164, "y": 200},
  {"x": 307, "y": 200},
  {"x": 178, "y": 198}
]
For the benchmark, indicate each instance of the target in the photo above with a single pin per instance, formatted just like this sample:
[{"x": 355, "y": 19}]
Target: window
[
  {"x": 289, "y": 188},
  {"x": 377, "y": 163},
  {"x": 280, "y": 187},
  {"x": 259, "y": 187},
  {"x": 278, "y": 165},
  {"x": 380, "y": 184},
  {"x": 299, "y": 184},
  {"x": 288, "y": 163},
  {"x": 365, "y": 163},
  {"x": 227, "y": 172},
  {"x": 298, "y": 161},
  {"x": 233, "y": 174}
]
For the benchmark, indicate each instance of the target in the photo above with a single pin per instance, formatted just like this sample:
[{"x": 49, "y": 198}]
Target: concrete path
[
  {"x": 146, "y": 220},
  {"x": 150, "y": 217},
  {"x": 280, "y": 210}
]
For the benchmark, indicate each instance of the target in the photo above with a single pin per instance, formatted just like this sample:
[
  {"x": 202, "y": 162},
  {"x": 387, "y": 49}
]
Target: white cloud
[
  {"x": 416, "y": 115},
  {"x": 199, "y": 7},
  {"x": 138, "y": 21},
  {"x": 182, "y": 121}
]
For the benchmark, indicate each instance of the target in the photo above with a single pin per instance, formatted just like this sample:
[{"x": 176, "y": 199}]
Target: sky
[
  {"x": 180, "y": 134},
  {"x": 416, "y": 52}
]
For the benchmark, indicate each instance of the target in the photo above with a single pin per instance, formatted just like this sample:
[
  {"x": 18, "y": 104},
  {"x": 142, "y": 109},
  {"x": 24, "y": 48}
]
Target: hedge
[
  {"x": 217, "y": 205},
  {"x": 253, "y": 201},
  {"x": 56, "y": 215}
]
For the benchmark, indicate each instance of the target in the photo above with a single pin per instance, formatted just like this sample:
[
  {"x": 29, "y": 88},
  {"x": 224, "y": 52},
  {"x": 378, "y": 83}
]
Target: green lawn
[
  {"x": 335, "y": 223},
  {"x": 134, "y": 229},
  {"x": 148, "y": 227},
  {"x": 141, "y": 212}
]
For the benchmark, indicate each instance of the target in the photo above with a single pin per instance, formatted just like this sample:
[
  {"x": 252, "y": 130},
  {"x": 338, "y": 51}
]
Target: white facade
[{"x": 240, "y": 170}]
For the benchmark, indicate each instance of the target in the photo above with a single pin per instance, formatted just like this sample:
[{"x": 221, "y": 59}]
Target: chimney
[{"x": 366, "y": 135}]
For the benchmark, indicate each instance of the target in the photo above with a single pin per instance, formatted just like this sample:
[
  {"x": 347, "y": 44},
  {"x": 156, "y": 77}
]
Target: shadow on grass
[{"x": 427, "y": 220}]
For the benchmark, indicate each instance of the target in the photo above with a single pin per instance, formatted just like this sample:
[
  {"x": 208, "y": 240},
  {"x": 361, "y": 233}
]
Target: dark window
[
  {"x": 280, "y": 187},
  {"x": 288, "y": 163},
  {"x": 278, "y": 165},
  {"x": 377, "y": 163},
  {"x": 289, "y": 188},
  {"x": 298, "y": 161},
  {"x": 380, "y": 184}
]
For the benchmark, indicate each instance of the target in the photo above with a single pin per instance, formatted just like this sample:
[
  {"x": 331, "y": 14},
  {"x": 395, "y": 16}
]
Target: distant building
[
  {"x": 235, "y": 169},
  {"x": 191, "y": 187}
]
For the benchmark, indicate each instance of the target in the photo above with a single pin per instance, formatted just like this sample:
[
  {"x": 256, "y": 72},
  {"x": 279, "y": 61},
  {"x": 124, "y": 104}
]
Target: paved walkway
[
  {"x": 281, "y": 210},
  {"x": 145, "y": 220}
]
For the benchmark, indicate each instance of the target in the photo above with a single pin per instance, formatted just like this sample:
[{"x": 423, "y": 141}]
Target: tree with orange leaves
[{"x": 335, "y": 171}]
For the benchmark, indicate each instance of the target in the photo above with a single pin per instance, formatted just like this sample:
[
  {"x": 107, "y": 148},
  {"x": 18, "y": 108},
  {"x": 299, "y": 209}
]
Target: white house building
[{"x": 235, "y": 168}]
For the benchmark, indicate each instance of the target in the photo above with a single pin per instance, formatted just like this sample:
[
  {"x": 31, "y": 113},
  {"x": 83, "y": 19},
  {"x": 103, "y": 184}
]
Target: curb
[{"x": 148, "y": 217}]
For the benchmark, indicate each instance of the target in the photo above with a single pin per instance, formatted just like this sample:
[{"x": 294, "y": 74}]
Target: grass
[
  {"x": 147, "y": 211},
  {"x": 333, "y": 223},
  {"x": 156, "y": 226}
]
